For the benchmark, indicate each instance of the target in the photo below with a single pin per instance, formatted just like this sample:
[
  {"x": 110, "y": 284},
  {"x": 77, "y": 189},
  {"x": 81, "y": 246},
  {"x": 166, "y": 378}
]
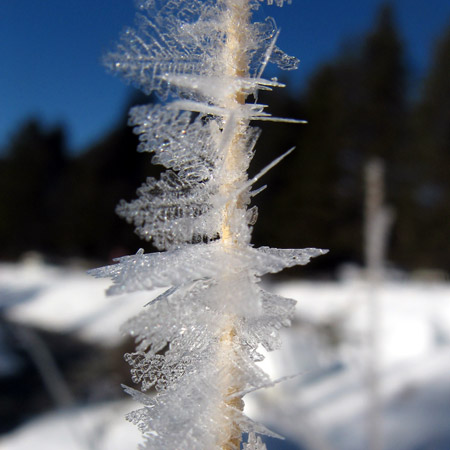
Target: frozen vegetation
[{"x": 199, "y": 342}]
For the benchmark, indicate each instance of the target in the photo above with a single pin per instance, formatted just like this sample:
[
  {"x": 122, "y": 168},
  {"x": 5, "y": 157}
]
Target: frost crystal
[
  {"x": 197, "y": 343},
  {"x": 178, "y": 42}
]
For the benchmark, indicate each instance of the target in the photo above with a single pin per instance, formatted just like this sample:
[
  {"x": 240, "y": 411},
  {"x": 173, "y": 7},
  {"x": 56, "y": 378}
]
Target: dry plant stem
[
  {"x": 232, "y": 431},
  {"x": 236, "y": 65}
]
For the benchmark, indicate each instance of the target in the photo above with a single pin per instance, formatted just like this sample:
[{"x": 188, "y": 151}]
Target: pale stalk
[{"x": 235, "y": 64}]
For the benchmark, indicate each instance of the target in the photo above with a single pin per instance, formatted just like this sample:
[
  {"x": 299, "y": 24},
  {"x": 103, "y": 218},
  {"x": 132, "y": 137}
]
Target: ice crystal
[
  {"x": 184, "y": 204},
  {"x": 197, "y": 344},
  {"x": 254, "y": 443},
  {"x": 177, "y": 40},
  {"x": 193, "y": 262}
]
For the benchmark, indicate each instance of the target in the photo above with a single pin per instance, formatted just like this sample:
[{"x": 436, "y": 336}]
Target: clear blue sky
[{"x": 50, "y": 53}]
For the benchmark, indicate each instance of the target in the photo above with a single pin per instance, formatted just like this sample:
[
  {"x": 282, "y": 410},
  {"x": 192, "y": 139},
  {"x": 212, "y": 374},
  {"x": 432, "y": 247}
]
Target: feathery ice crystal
[{"x": 197, "y": 344}]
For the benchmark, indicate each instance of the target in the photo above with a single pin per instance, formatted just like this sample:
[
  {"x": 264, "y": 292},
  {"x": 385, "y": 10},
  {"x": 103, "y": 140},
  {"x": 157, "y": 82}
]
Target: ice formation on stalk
[
  {"x": 175, "y": 48},
  {"x": 197, "y": 343}
]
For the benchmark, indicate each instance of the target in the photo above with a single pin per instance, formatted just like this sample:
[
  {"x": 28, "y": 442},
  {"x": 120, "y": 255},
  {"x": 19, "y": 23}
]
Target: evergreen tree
[
  {"x": 432, "y": 149},
  {"x": 99, "y": 177},
  {"x": 383, "y": 79},
  {"x": 30, "y": 190},
  {"x": 356, "y": 109}
]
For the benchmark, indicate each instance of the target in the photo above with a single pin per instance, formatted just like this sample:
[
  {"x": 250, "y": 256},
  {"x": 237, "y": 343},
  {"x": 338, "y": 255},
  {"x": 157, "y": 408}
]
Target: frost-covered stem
[
  {"x": 214, "y": 317},
  {"x": 233, "y": 438},
  {"x": 236, "y": 64}
]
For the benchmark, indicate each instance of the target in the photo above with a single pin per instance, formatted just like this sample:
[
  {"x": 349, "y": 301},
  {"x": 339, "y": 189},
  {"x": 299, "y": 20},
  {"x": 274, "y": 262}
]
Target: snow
[
  {"x": 413, "y": 314},
  {"x": 102, "y": 427},
  {"x": 61, "y": 299},
  {"x": 330, "y": 400},
  {"x": 325, "y": 407}
]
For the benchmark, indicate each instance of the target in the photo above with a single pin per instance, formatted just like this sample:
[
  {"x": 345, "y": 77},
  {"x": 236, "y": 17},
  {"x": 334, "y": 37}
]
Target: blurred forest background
[{"x": 360, "y": 105}]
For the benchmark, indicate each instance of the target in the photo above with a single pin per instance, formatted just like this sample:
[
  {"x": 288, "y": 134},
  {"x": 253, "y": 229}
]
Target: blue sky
[{"x": 50, "y": 53}]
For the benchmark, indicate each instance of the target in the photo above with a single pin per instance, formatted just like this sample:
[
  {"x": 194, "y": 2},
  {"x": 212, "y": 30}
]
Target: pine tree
[
  {"x": 431, "y": 144},
  {"x": 356, "y": 109},
  {"x": 31, "y": 176},
  {"x": 383, "y": 104}
]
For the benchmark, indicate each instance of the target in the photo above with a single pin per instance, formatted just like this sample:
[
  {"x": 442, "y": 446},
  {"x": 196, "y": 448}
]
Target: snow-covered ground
[
  {"x": 101, "y": 427},
  {"x": 60, "y": 299},
  {"x": 326, "y": 406}
]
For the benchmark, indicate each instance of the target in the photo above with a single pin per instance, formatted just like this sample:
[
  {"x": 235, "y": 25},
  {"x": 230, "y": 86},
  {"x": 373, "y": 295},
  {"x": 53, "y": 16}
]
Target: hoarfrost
[
  {"x": 180, "y": 38},
  {"x": 195, "y": 262},
  {"x": 197, "y": 343},
  {"x": 254, "y": 443},
  {"x": 184, "y": 205}
]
